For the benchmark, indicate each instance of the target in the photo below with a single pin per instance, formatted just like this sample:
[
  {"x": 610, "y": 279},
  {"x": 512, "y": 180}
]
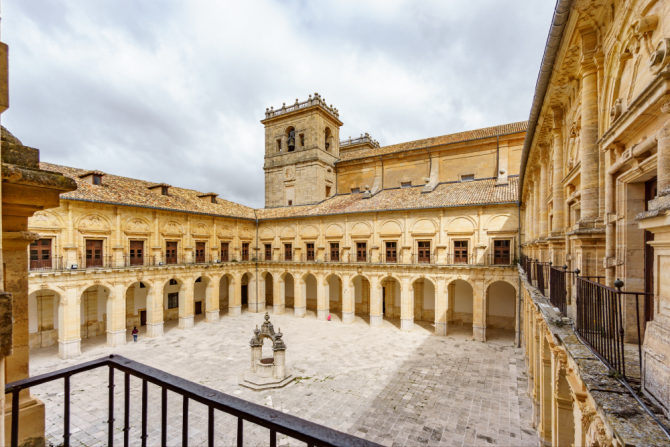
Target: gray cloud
[{"x": 173, "y": 91}]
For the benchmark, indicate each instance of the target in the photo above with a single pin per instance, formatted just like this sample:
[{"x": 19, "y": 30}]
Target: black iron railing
[
  {"x": 274, "y": 420},
  {"x": 558, "y": 291},
  {"x": 423, "y": 259},
  {"x": 53, "y": 263},
  {"x": 453, "y": 259},
  {"x": 542, "y": 273}
]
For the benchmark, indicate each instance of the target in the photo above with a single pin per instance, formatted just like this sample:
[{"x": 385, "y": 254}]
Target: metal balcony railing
[
  {"x": 453, "y": 259},
  {"x": 423, "y": 259},
  {"x": 330, "y": 258},
  {"x": 54, "y": 263},
  {"x": 276, "y": 421},
  {"x": 287, "y": 255},
  {"x": 142, "y": 261}
]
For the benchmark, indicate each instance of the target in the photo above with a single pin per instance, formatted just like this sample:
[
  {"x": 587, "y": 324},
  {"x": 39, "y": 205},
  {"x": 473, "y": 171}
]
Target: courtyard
[{"x": 395, "y": 388}]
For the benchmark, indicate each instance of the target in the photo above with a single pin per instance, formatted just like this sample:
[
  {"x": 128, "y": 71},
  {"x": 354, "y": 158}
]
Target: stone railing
[
  {"x": 312, "y": 101},
  {"x": 362, "y": 139}
]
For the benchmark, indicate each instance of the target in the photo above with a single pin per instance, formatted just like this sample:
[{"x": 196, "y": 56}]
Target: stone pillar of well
[
  {"x": 478, "y": 311},
  {"x": 322, "y": 298},
  {"x": 376, "y": 304},
  {"x": 441, "y": 305},
  {"x": 406, "y": 305},
  {"x": 155, "y": 305},
  {"x": 235, "y": 300},
  {"x": 186, "y": 305},
  {"x": 299, "y": 296},
  {"x": 279, "y": 351},
  {"x": 116, "y": 315},
  {"x": 256, "y": 350},
  {"x": 348, "y": 300},
  {"x": 212, "y": 300},
  {"x": 278, "y": 295}
]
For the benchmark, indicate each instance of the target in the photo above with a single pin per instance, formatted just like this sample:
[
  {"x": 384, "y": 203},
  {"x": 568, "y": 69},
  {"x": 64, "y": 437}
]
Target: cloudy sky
[{"x": 173, "y": 91}]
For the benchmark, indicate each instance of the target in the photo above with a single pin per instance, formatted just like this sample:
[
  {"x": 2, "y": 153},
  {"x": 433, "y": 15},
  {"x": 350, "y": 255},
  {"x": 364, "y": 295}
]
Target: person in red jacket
[{"x": 135, "y": 332}]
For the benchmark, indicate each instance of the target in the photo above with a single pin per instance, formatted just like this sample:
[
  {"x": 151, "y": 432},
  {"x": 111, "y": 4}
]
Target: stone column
[
  {"x": 478, "y": 311},
  {"x": 235, "y": 299},
  {"x": 588, "y": 150},
  {"x": 116, "y": 315},
  {"x": 557, "y": 187},
  {"x": 322, "y": 298},
  {"x": 278, "y": 295},
  {"x": 376, "y": 305},
  {"x": 69, "y": 324},
  {"x": 406, "y": 305},
  {"x": 544, "y": 192},
  {"x": 348, "y": 300},
  {"x": 299, "y": 296},
  {"x": 537, "y": 210},
  {"x": 155, "y": 305},
  {"x": 212, "y": 301},
  {"x": 186, "y": 305},
  {"x": 441, "y": 305}
]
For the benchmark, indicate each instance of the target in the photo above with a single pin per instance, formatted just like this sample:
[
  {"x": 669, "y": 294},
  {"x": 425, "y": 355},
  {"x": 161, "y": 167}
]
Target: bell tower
[{"x": 301, "y": 148}]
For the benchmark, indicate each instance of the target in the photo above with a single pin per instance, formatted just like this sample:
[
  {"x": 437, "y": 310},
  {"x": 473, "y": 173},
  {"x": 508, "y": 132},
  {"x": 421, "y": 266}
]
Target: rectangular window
[
  {"x": 97, "y": 180},
  {"x": 406, "y": 184},
  {"x": 171, "y": 252},
  {"x": 136, "y": 252},
  {"x": 40, "y": 254},
  {"x": 361, "y": 251},
  {"x": 327, "y": 191},
  {"x": 424, "y": 252},
  {"x": 467, "y": 178},
  {"x": 268, "y": 252},
  {"x": 501, "y": 252},
  {"x": 310, "y": 252},
  {"x": 334, "y": 252},
  {"x": 355, "y": 190},
  {"x": 288, "y": 252},
  {"x": 93, "y": 253},
  {"x": 173, "y": 300},
  {"x": 245, "y": 251},
  {"x": 200, "y": 252},
  {"x": 164, "y": 190},
  {"x": 224, "y": 252},
  {"x": 302, "y": 140},
  {"x": 391, "y": 252},
  {"x": 460, "y": 252}
]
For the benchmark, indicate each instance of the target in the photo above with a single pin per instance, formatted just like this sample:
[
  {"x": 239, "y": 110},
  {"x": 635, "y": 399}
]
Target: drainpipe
[{"x": 518, "y": 312}]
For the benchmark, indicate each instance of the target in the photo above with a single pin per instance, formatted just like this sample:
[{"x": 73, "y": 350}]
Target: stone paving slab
[{"x": 395, "y": 388}]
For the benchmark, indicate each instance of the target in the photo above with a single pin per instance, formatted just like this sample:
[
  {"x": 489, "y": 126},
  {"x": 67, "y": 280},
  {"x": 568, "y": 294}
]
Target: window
[
  {"x": 268, "y": 252},
  {"x": 310, "y": 252},
  {"x": 467, "y": 178},
  {"x": 361, "y": 251},
  {"x": 327, "y": 191},
  {"x": 245, "y": 251},
  {"x": 334, "y": 251},
  {"x": 93, "y": 253},
  {"x": 290, "y": 141},
  {"x": 136, "y": 252},
  {"x": 391, "y": 252},
  {"x": 97, "y": 180},
  {"x": 424, "y": 252},
  {"x": 355, "y": 190},
  {"x": 40, "y": 254},
  {"x": 302, "y": 140},
  {"x": 460, "y": 252},
  {"x": 224, "y": 252},
  {"x": 170, "y": 252},
  {"x": 213, "y": 199},
  {"x": 501, "y": 252},
  {"x": 406, "y": 184},
  {"x": 199, "y": 252},
  {"x": 173, "y": 300},
  {"x": 173, "y": 282},
  {"x": 164, "y": 190},
  {"x": 290, "y": 203},
  {"x": 288, "y": 252}
]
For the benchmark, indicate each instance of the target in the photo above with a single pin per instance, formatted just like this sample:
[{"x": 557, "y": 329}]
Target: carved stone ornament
[
  {"x": 137, "y": 226},
  {"x": 616, "y": 110},
  {"x": 289, "y": 173},
  {"x": 94, "y": 222},
  {"x": 42, "y": 219},
  {"x": 660, "y": 57},
  {"x": 665, "y": 108}
]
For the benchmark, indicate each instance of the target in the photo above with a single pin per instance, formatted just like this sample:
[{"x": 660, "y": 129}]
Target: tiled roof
[
  {"x": 459, "y": 137},
  {"x": 128, "y": 191},
  {"x": 477, "y": 192}
]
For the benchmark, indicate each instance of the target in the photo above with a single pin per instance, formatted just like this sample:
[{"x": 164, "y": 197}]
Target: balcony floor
[{"x": 392, "y": 387}]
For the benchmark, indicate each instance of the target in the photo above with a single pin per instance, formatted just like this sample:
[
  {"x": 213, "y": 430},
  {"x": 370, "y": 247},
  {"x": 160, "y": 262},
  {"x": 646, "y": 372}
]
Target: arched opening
[
  {"x": 246, "y": 280},
  {"x": 310, "y": 292},
  {"x": 289, "y": 290},
  {"x": 267, "y": 354},
  {"x": 334, "y": 295},
  {"x": 174, "y": 297},
  {"x": 93, "y": 315},
  {"x": 226, "y": 291},
  {"x": 136, "y": 306},
  {"x": 500, "y": 310},
  {"x": 361, "y": 295},
  {"x": 461, "y": 305},
  {"x": 43, "y": 318},
  {"x": 201, "y": 297},
  {"x": 328, "y": 142},
  {"x": 424, "y": 300},
  {"x": 269, "y": 289},
  {"x": 290, "y": 139},
  {"x": 390, "y": 298}
]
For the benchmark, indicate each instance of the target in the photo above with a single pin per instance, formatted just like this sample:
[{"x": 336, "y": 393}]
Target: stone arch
[
  {"x": 309, "y": 284},
  {"x": 461, "y": 293},
  {"x": 425, "y": 294},
  {"x": 226, "y": 291},
  {"x": 390, "y": 292},
  {"x": 309, "y": 231},
  {"x": 43, "y": 310},
  {"x": 288, "y": 232},
  {"x": 361, "y": 229},
  {"x": 286, "y": 289},
  {"x": 391, "y": 228},
  {"x": 267, "y": 278},
  {"x": 502, "y": 222},
  {"x": 267, "y": 233},
  {"x": 172, "y": 227},
  {"x": 202, "y": 293},
  {"x": 461, "y": 224},
  {"x": 501, "y": 296},
  {"x": 360, "y": 285},
  {"x": 174, "y": 298},
  {"x": 246, "y": 284},
  {"x": 45, "y": 219},
  {"x": 94, "y": 303},
  {"x": 334, "y": 230},
  {"x": 424, "y": 226},
  {"x": 334, "y": 291},
  {"x": 201, "y": 229},
  {"x": 136, "y": 224}
]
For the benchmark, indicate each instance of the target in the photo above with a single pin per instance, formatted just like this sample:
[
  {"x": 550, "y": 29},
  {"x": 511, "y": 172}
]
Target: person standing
[{"x": 135, "y": 332}]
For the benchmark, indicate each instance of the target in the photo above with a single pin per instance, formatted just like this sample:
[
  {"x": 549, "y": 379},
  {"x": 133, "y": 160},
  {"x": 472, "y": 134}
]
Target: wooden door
[
  {"x": 224, "y": 252},
  {"x": 361, "y": 251},
  {"x": 334, "y": 252},
  {"x": 501, "y": 252},
  {"x": 136, "y": 252},
  {"x": 424, "y": 251},
  {"x": 310, "y": 252},
  {"x": 40, "y": 254},
  {"x": 93, "y": 253},
  {"x": 245, "y": 251},
  {"x": 391, "y": 252},
  {"x": 268, "y": 252},
  {"x": 460, "y": 252},
  {"x": 170, "y": 252},
  {"x": 200, "y": 252},
  {"x": 143, "y": 318},
  {"x": 198, "y": 307},
  {"x": 650, "y": 192}
]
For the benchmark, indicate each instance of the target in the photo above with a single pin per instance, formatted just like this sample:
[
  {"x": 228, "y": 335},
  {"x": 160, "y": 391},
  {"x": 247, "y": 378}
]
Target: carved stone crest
[{"x": 289, "y": 173}]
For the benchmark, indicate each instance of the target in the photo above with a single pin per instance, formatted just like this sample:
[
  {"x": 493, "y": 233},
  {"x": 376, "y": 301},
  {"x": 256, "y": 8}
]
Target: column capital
[{"x": 557, "y": 116}]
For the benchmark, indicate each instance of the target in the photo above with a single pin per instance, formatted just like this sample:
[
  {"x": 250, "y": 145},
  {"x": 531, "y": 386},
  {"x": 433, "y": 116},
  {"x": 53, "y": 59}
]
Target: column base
[
  {"x": 212, "y": 316},
  {"x": 69, "y": 349},
  {"x": 376, "y": 320},
  {"x": 31, "y": 426},
  {"x": 186, "y": 322},
  {"x": 234, "y": 311},
  {"x": 406, "y": 324},
  {"x": 116, "y": 338},
  {"x": 278, "y": 309},
  {"x": 479, "y": 333},
  {"x": 322, "y": 314},
  {"x": 348, "y": 317},
  {"x": 154, "y": 330},
  {"x": 299, "y": 311},
  {"x": 441, "y": 328}
]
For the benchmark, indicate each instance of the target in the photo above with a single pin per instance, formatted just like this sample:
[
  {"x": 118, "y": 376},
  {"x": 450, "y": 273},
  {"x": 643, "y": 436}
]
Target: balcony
[{"x": 45, "y": 265}]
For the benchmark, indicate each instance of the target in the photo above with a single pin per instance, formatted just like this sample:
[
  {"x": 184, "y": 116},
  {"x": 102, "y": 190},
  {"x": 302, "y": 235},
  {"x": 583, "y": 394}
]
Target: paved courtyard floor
[{"x": 395, "y": 388}]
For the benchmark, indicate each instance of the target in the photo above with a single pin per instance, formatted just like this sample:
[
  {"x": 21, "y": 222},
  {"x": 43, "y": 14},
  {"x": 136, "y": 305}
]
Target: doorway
[
  {"x": 245, "y": 294},
  {"x": 143, "y": 317},
  {"x": 198, "y": 307},
  {"x": 650, "y": 192}
]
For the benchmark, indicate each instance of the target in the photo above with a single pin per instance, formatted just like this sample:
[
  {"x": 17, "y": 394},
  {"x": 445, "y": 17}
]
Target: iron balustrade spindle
[
  {"x": 558, "y": 291},
  {"x": 276, "y": 421}
]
